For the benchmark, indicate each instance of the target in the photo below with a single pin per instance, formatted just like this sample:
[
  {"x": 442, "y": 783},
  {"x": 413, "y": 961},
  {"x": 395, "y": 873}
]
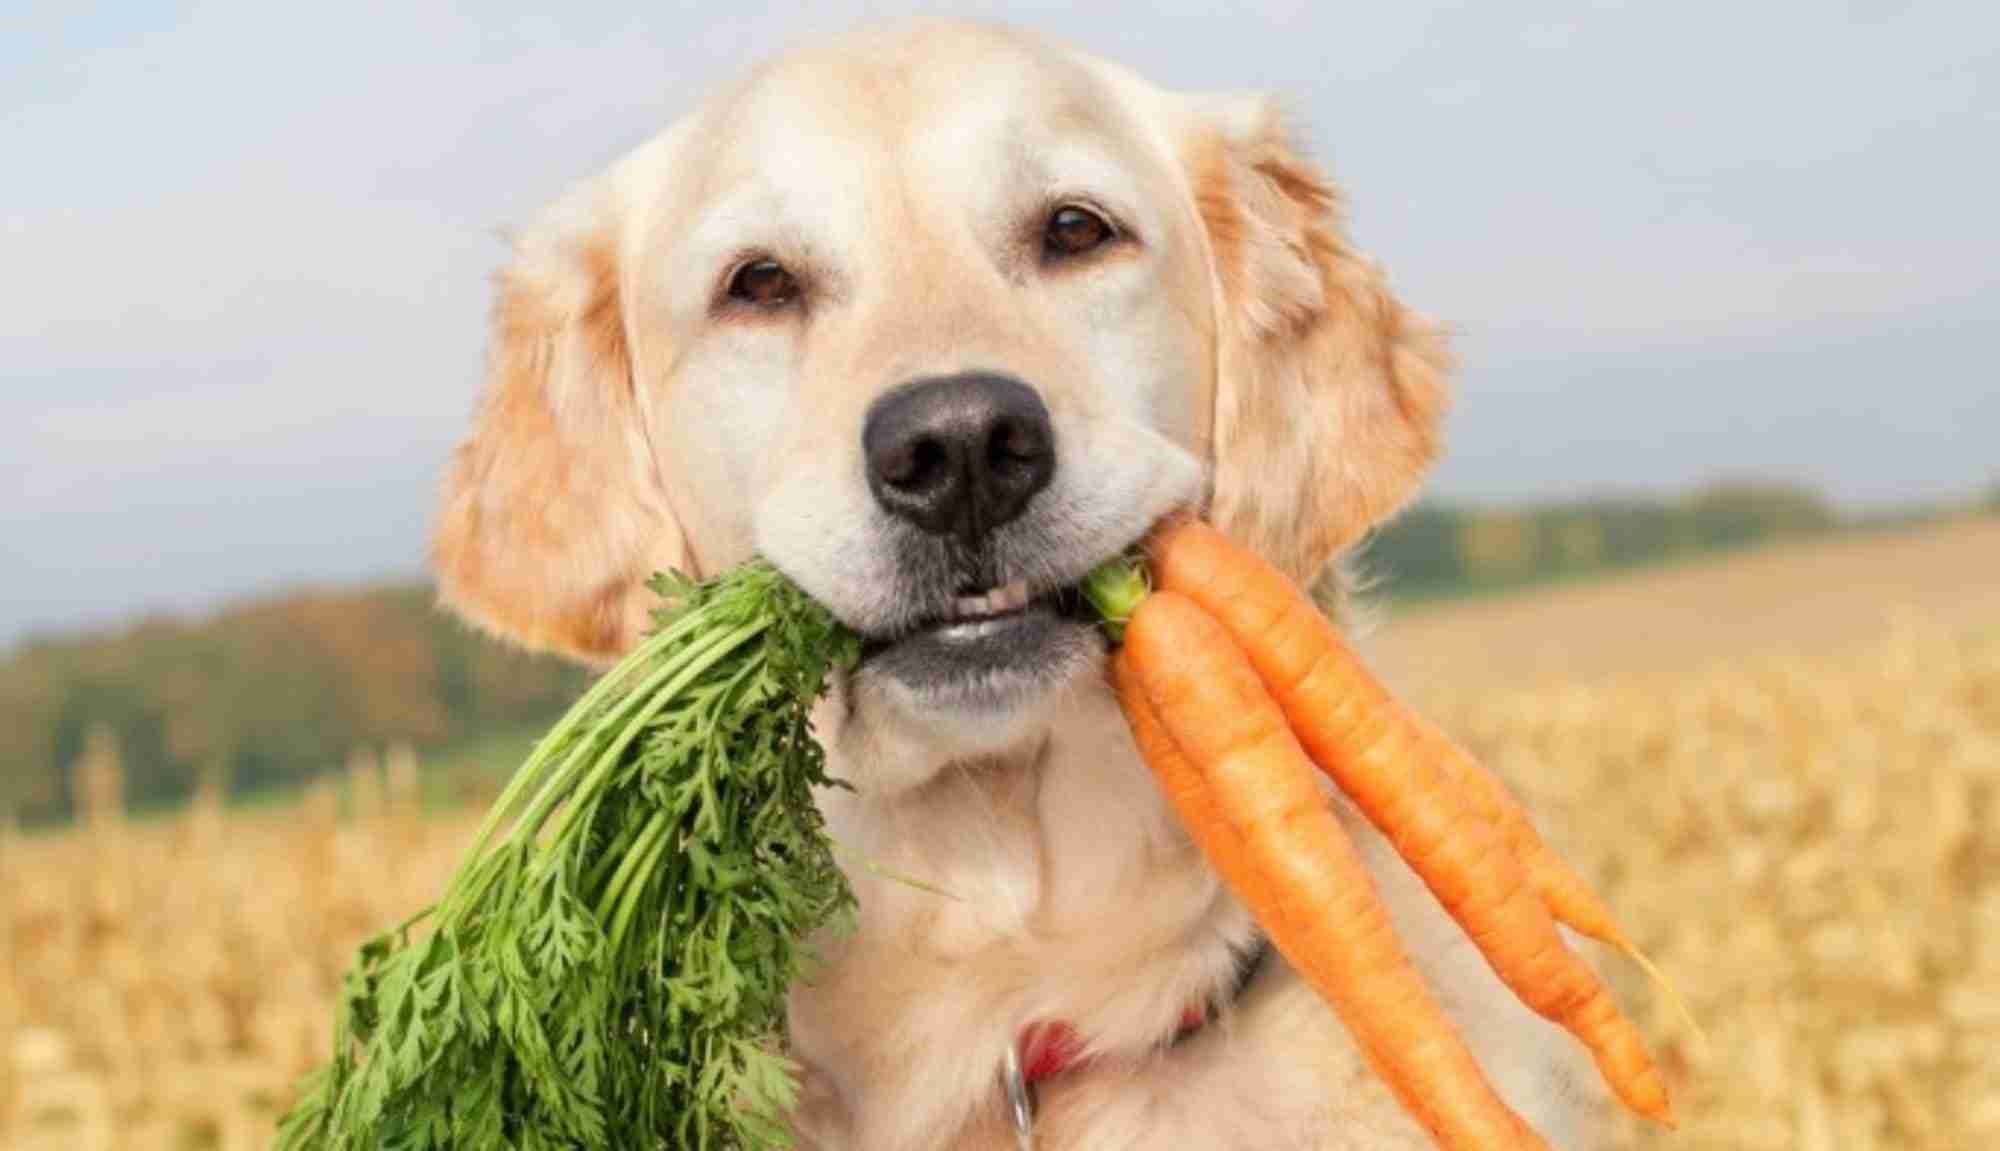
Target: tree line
[
  {"x": 264, "y": 695},
  {"x": 1443, "y": 549}
]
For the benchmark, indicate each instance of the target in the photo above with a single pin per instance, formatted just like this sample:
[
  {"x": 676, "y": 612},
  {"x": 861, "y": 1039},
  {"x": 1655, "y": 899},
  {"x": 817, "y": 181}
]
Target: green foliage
[
  {"x": 608, "y": 966},
  {"x": 1438, "y": 550},
  {"x": 1729, "y": 515},
  {"x": 262, "y": 696}
]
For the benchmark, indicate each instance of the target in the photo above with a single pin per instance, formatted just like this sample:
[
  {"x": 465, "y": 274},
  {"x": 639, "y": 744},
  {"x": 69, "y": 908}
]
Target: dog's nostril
[
  {"x": 1015, "y": 443},
  {"x": 910, "y": 464},
  {"x": 927, "y": 463}
]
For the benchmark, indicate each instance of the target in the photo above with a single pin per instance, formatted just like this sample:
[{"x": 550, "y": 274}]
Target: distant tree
[
  {"x": 1440, "y": 549},
  {"x": 1735, "y": 513},
  {"x": 1418, "y": 550},
  {"x": 1636, "y": 532},
  {"x": 1500, "y": 546},
  {"x": 1569, "y": 538},
  {"x": 266, "y": 694},
  {"x": 28, "y": 778}
]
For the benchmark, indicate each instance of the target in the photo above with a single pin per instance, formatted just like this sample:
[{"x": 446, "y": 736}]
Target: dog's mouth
[
  {"x": 977, "y": 614},
  {"x": 983, "y": 614},
  {"x": 988, "y": 646}
]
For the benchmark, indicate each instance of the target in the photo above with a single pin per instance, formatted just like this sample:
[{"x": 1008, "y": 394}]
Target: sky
[{"x": 245, "y": 248}]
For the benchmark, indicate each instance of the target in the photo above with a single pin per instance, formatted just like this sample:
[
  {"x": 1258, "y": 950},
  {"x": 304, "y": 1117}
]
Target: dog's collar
[{"x": 1046, "y": 1048}]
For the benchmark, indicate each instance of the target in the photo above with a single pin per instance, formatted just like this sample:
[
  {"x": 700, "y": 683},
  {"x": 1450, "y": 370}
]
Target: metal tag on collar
[{"x": 1020, "y": 1096}]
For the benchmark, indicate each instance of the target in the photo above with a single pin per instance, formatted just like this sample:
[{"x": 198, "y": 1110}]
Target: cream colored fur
[{"x": 1237, "y": 353}]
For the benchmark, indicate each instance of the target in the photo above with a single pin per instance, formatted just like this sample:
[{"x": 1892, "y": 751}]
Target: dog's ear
[
  {"x": 1329, "y": 393},
  {"x": 553, "y": 514}
]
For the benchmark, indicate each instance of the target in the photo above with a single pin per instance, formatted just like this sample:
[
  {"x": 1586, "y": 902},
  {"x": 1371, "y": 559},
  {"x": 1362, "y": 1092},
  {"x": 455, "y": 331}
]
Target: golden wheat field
[{"x": 1783, "y": 769}]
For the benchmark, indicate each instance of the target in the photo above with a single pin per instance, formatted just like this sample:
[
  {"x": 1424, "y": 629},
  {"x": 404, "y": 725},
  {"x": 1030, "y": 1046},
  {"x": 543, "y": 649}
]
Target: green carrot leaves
[{"x": 608, "y": 967}]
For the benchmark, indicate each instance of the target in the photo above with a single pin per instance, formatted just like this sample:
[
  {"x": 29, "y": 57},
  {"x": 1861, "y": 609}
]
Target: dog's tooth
[{"x": 994, "y": 601}]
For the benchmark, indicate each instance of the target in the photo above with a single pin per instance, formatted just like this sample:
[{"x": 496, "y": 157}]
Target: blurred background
[{"x": 1711, "y": 571}]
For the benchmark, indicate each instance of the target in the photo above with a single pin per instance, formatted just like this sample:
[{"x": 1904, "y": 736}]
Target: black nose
[{"x": 958, "y": 455}]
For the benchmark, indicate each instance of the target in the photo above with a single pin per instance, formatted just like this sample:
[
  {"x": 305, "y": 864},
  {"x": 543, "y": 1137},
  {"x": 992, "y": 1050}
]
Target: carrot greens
[{"x": 608, "y": 966}]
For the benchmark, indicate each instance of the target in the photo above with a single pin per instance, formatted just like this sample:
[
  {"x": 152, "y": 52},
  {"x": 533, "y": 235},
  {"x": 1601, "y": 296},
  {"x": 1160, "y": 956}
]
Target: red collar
[{"x": 1049, "y": 1047}]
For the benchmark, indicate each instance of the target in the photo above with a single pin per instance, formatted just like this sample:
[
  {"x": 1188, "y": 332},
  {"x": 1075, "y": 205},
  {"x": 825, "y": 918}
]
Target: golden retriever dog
[{"x": 936, "y": 318}]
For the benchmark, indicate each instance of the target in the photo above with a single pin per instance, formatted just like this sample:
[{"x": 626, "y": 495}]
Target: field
[
  {"x": 1784, "y": 771},
  {"x": 1783, "y": 768}
]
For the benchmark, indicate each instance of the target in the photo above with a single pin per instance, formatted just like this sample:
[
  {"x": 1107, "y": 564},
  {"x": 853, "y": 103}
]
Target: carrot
[
  {"x": 1184, "y": 787},
  {"x": 1243, "y": 788},
  {"x": 1391, "y": 763},
  {"x": 1568, "y": 897}
]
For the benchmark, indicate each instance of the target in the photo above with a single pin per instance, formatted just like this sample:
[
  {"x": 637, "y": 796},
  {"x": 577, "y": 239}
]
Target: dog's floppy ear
[
  {"x": 553, "y": 514},
  {"x": 1329, "y": 393}
]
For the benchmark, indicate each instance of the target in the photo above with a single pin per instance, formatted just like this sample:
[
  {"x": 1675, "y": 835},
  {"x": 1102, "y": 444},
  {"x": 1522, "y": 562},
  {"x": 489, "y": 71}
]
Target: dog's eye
[
  {"x": 763, "y": 284},
  {"x": 1073, "y": 230}
]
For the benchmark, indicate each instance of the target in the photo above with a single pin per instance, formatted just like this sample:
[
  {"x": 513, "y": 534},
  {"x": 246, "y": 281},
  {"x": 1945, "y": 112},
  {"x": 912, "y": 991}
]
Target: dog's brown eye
[
  {"x": 1073, "y": 231},
  {"x": 763, "y": 284}
]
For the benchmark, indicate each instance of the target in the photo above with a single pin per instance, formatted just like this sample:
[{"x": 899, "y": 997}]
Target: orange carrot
[
  {"x": 1568, "y": 897},
  {"x": 1387, "y": 759},
  {"x": 1188, "y": 792},
  {"x": 1244, "y": 789}
]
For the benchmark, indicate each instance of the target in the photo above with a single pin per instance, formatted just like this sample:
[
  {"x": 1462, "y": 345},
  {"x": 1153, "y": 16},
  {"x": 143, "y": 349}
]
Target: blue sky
[{"x": 246, "y": 246}]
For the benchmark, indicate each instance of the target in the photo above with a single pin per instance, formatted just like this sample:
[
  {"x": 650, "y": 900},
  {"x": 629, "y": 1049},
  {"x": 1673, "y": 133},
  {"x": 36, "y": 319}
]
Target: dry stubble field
[{"x": 1784, "y": 770}]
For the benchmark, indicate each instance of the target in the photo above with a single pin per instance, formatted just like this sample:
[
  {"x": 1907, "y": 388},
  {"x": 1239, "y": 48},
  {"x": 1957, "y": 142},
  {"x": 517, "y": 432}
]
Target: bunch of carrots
[{"x": 1236, "y": 688}]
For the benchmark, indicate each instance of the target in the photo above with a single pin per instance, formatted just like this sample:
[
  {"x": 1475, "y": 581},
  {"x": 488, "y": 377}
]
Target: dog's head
[{"x": 935, "y": 319}]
